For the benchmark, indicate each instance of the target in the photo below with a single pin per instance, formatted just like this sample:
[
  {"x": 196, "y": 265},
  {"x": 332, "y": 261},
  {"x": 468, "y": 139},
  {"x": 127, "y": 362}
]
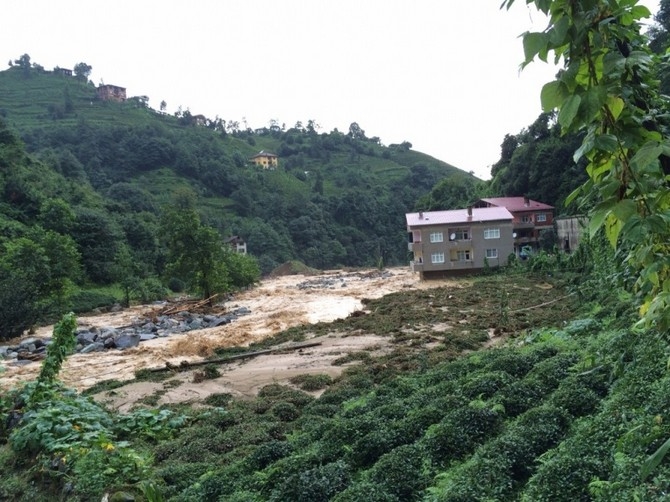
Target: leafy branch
[{"x": 608, "y": 88}]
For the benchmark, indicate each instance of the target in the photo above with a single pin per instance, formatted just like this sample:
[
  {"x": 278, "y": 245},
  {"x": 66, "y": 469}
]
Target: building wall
[
  {"x": 111, "y": 93},
  {"x": 265, "y": 161},
  {"x": 461, "y": 254},
  {"x": 570, "y": 231}
]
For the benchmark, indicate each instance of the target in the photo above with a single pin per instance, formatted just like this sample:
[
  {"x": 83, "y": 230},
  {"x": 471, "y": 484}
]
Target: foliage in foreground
[{"x": 66, "y": 442}]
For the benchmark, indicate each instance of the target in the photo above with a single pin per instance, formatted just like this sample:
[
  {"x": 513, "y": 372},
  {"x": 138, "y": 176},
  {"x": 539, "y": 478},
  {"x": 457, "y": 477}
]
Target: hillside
[{"x": 337, "y": 199}]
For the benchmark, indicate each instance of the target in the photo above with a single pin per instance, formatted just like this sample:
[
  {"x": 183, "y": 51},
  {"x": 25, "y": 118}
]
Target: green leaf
[
  {"x": 649, "y": 153},
  {"x": 606, "y": 142},
  {"x": 615, "y": 105},
  {"x": 559, "y": 32},
  {"x": 625, "y": 209},
  {"x": 552, "y": 95},
  {"x": 591, "y": 103},
  {"x": 654, "y": 459},
  {"x": 640, "y": 12},
  {"x": 533, "y": 44},
  {"x": 573, "y": 195},
  {"x": 613, "y": 226},
  {"x": 597, "y": 219},
  {"x": 585, "y": 148},
  {"x": 569, "y": 111}
]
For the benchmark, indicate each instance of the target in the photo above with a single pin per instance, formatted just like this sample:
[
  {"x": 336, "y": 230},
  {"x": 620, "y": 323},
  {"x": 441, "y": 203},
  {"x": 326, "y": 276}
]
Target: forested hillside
[{"x": 337, "y": 198}]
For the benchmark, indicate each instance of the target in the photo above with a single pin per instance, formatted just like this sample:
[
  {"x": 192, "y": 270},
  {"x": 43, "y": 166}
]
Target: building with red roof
[{"x": 530, "y": 218}]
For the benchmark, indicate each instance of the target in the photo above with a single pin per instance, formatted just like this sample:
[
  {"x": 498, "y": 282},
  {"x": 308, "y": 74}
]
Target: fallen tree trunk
[{"x": 186, "y": 365}]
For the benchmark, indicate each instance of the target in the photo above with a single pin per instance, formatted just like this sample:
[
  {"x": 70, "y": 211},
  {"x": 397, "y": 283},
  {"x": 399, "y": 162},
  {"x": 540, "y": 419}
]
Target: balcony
[
  {"x": 414, "y": 246},
  {"x": 416, "y": 266}
]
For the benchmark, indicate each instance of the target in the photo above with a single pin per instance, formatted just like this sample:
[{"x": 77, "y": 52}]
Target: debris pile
[{"x": 96, "y": 339}]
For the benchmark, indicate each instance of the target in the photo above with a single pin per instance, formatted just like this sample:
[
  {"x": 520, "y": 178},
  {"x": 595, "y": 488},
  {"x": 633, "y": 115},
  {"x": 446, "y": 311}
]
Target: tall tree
[
  {"x": 82, "y": 71},
  {"x": 195, "y": 252}
]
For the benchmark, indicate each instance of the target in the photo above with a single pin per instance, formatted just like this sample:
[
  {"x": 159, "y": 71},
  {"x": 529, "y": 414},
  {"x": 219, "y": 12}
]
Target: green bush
[
  {"x": 176, "y": 285},
  {"x": 484, "y": 385},
  {"x": 309, "y": 382},
  {"x": 87, "y": 300},
  {"x": 268, "y": 453},
  {"x": 319, "y": 483},
  {"x": 550, "y": 372},
  {"x": 460, "y": 432},
  {"x": 367, "y": 491},
  {"x": 521, "y": 396},
  {"x": 401, "y": 472},
  {"x": 285, "y": 411},
  {"x": 151, "y": 289},
  {"x": 576, "y": 399}
]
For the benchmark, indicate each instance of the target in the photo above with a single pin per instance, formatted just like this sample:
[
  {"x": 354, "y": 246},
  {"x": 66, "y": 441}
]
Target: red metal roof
[
  {"x": 458, "y": 216},
  {"x": 515, "y": 204}
]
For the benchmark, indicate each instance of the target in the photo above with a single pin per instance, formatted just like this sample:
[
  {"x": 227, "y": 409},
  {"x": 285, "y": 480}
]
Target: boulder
[
  {"x": 34, "y": 341},
  {"x": 126, "y": 341},
  {"x": 93, "y": 347}
]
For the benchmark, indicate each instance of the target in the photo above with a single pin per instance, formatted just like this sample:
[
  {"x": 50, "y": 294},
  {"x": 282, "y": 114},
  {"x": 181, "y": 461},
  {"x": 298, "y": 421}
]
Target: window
[
  {"x": 459, "y": 234},
  {"x": 463, "y": 256},
  {"x": 528, "y": 218},
  {"x": 492, "y": 253},
  {"x": 491, "y": 233},
  {"x": 437, "y": 258},
  {"x": 436, "y": 237},
  {"x": 540, "y": 217}
]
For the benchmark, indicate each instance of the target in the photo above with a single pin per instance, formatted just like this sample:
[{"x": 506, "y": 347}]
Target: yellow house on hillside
[{"x": 265, "y": 159}]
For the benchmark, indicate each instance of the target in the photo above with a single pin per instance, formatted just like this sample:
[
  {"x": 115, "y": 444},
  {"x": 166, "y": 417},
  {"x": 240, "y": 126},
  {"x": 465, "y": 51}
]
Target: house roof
[
  {"x": 457, "y": 216},
  {"x": 517, "y": 203},
  {"x": 263, "y": 153}
]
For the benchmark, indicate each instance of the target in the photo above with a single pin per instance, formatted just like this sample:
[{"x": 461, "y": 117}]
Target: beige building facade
[{"x": 453, "y": 242}]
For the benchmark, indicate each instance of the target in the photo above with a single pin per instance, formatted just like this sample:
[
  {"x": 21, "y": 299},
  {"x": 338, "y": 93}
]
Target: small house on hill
[
  {"x": 64, "y": 72},
  {"x": 264, "y": 159},
  {"x": 108, "y": 92},
  {"x": 462, "y": 240},
  {"x": 237, "y": 244},
  {"x": 530, "y": 218}
]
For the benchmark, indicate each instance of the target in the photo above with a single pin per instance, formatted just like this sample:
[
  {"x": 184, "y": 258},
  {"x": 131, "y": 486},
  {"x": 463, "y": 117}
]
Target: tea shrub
[{"x": 401, "y": 472}]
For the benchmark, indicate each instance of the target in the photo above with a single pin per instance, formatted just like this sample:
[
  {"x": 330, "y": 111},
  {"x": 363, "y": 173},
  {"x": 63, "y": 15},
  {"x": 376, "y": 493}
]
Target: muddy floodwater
[{"x": 275, "y": 304}]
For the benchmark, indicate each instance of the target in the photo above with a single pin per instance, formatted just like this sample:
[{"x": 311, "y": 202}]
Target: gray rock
[
  {"x": 147, "y": 336},
  {"x": 86, "y": 337},
  {"x": 107, "y": 331},
  {"x": 93, "y": 347},
  {"x": 126, "y": 341},
  {"x": 109, "y": 343},
  {"x": 34, "y": 341},
  {"x": 219, "y": 321}
]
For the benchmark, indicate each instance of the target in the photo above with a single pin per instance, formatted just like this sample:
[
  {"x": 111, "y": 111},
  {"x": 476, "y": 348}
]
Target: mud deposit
[{"x": 391, "y": 318}]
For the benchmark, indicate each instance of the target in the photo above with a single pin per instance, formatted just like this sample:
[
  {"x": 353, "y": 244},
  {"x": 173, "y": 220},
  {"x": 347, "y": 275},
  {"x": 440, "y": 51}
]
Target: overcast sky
[{"x": 441, "y": 74}]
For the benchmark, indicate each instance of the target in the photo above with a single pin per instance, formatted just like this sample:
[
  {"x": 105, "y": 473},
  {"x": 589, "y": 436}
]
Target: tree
[
  {"x": 609, "y": 90},
  {"x": 356, "y": 132},
  {"x": 163, "y": 106},
  {"x": 82, "y": 71},
  {"x": 195, "y": 252},
  {"x": 35, "y": 276}
]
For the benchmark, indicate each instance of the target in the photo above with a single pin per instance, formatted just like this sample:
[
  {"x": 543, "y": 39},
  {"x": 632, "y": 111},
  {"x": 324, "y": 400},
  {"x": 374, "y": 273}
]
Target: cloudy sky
[{"x": 441, "y": 74}]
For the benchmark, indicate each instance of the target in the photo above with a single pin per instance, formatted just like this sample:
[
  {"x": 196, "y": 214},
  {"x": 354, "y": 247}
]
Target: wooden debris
[{"x": 222, "y": 360}]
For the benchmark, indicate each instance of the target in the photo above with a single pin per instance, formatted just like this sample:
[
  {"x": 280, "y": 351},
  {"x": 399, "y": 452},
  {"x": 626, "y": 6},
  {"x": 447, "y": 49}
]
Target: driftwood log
[{"x": 222, "y": 360}]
